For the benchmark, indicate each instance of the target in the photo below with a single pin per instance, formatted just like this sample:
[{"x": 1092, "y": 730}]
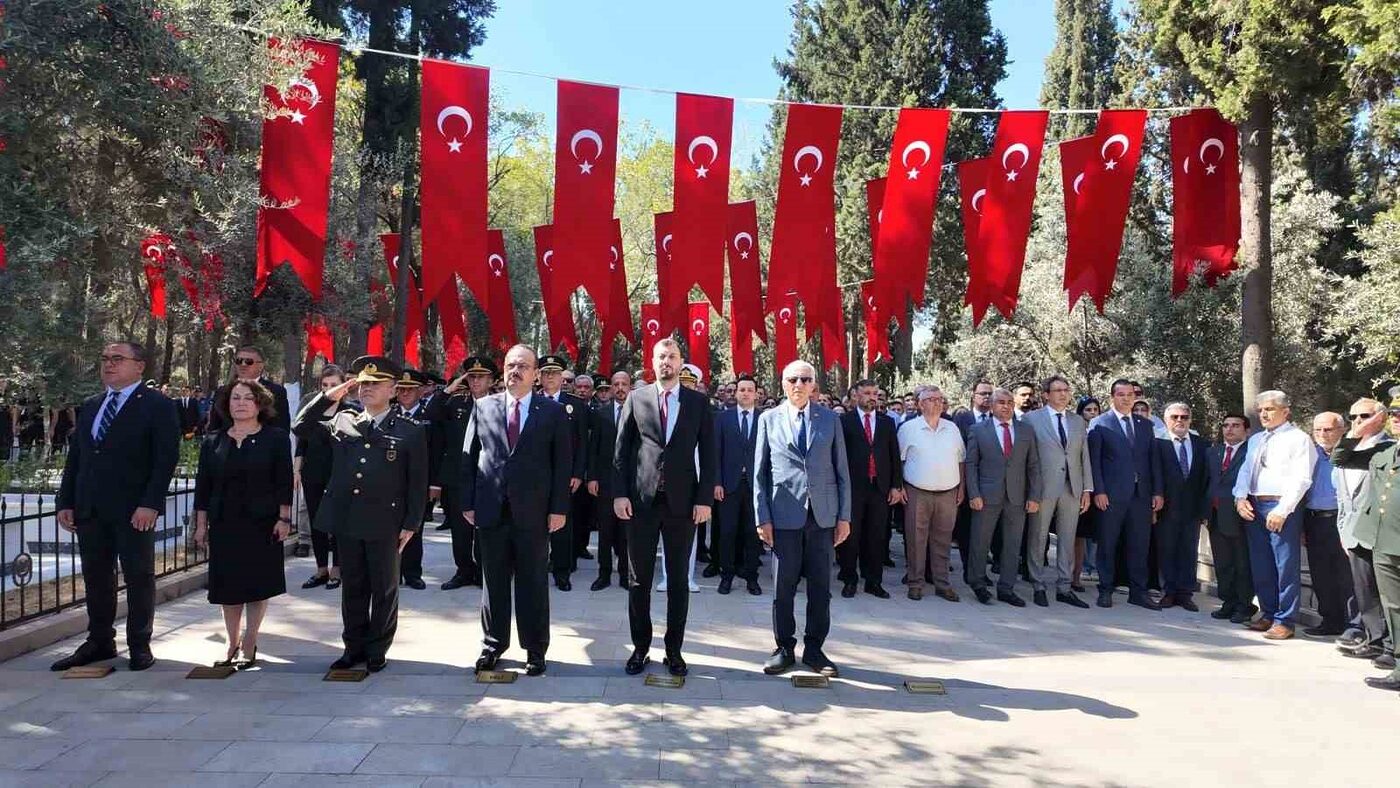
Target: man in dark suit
[
  {"x": 736, "y": 545},
  {"x": 121, "y": 456},
  {"x": 663, "y": 483},
  {"x": 409, "y": 405},
  {"x": 872, "y": 452},
  {"x": 188, "y": 407},
  {"x": 248, "y": 364},
  {"x": 373, "y": 504},
  {"x": 516, "y": 465},
  {"x": 1127, "y": 490},
  {"x": 980, "y": 412},
  {"x": 1184, "y": 458},
  {"x": 450, "y": 411},
  {"x": 1003, "y": 485},
  {"x": 563, "y": 558},
  {"x": 602, "y": 439},
  {"x": 1228, "y": 547}
]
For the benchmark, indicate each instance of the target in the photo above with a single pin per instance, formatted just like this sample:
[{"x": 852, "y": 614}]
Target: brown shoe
[
  {"x": 916, "y": 593},
  {"x": 1278, "y": 632},
  {"x": 1259, "y": 625},
  {"x": 948, "y": 593}
]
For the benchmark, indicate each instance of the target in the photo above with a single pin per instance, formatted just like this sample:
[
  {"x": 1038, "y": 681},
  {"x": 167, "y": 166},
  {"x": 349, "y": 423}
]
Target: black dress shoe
[
  {"x": 711, "y": 570},
  {"x": 456, "y": 582},
  {"x": 675, "y": 664},
  {"x": 1188, "y": 604},
  {"x": 889, "y": 562},
  {"x": 316, "y": 580},
  {"x": 140, "y": 659},
  {"x": 1391, "y": 683},
  {"x": 1351, "y": 638},
  {"x": 1105, "y": 599},
  {"x": 415, "y": 583},
  {"x": 819, "y": 663},
  {"x": 534, "y": 665},
  {"x": 347, "y": 661},
  {"x": 562, "y": 583},
  {"x": 1041, "y": 599},
  {"x": 1010, "y": 598},
  {"x": 754, "y": 588},
  {"x": 848, "y": 590},
  {"x": 1076, "y": 588},
  {"x": 876, "y": 590},
  {"x": 1322, "y": 632},
  {"x": 376, "y": 664},
  {"x": 1384, "y": 662},
  {"x": 301, "y": 551},
  {"x": 780, "y": 662},
  {"x": 983, "y": 595},
  {"x": 637, "y": 662},
  {"x": 726, "y": 584},
  {"x": 86, "y": 654},
  {"x": 1145, "y": 603},
  {"x": 487, "y": 661},
  {"x": 442, "y": 527},
  {"x": 1071, "y": 600},
  {"x": 1223, "y": 613},
  {"x": 600, "y": 583},
  {"x": 1363, "y": 651},
  {"x": 585, "y": 554},
  {"x": 333, "y": 584}
]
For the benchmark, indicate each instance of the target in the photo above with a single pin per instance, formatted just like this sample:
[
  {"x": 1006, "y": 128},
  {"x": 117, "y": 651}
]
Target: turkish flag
[
  {"x": 877, "y": 327},
  {"x": 453, "y": 324},
  {"x": 972, "y": 174},
  {"x": 784, "y": 331},
  {"x": 211, "y": 278},
  {"x": 185, "y": 269},
  {"x": 652, "y": 330},
  {"x": 296, "y": 169},
  {"x": 619, "y": 321},
  {"x": 1104, "y": 195},
  {"x": 745, "y": 285},
  {"x": 901, "y": 253},
  {"x": 319, "y": 340},
  {"x": 413, "y": 303},
  {"x": 802, "y": 260},
  {"x": 452, "y": 136},
  {"x": 585, "y": 166},
  {"x": 154, "y": 249},
  {"x": 834, "y": 343},
  {"x": 698, "y": 336},
  {"x": 874, "y": 205},
  {"x": 740, "y": 346},
  {"x": 558, "y": 313},
  {"x": 1006, "y": 211},
  {"x": 704, "y": 126},
  {"x": 1075, "y": 156},
  {"x": 672, "y": 299},
  {"x": 1205, "y": 197},
  {"x": 500, "y": 304},
  {"x": 374, "y": 338}
]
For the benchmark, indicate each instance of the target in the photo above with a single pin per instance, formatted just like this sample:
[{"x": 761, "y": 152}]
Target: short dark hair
[
  {"x": 1086, "y": 402},
  {"x": 863, "y": 382},
  {"x": 1050, "y": 381},
  {"x": 267, "y": 406},
  {"x": 250, "y": 349},
  {"x": 1120, "y": 382},
  {"x": 1024, "y": 384},
  {"x": 137, "y": 350},
  {"x": 1232, "y": 414},
  {"x": 745, "y": 377},
  {"x": 331, "y": 369}
]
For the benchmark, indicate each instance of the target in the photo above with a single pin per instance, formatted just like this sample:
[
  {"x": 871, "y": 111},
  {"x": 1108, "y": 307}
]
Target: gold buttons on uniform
[{"x": 359, "y": 476}]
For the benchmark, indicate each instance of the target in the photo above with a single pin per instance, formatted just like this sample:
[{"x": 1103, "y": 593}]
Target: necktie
[
  {"x": 513, "y": 426},
  {"x": 617, "y": 415},
  {"x": 802, "y": 433},
  {"x": 1229, "y": 455},
  {"x": 744, "y": 426},
  {"x": 109, "y": 412},
  {"x": 1006, "y": 439},
  {"x": 1128, "y": 430},
  {"x": 1060, "y": 425},
  {"x": 870, "y": 439},
  {"x": 665, "y": 412},
  {"x": 1181, "y": 457}
]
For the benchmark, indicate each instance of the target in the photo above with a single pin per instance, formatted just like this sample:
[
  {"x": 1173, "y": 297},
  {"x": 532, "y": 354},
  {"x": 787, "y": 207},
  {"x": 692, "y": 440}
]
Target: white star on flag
[
  {"x": 1210, "y": 169},
  {"x": 586, "y": 168},
  {"x": 454, "y": 145},
  {"x": 298, "y": 117},
  {"x": 701, "y": 172},
  {"x": 743, "y": 255},
  {"x": 806, "y": 180},
  {"x": 1110, "y": 164},
  {"x": 914, "y": 173},
  {"x": 1011, "y": 176}
]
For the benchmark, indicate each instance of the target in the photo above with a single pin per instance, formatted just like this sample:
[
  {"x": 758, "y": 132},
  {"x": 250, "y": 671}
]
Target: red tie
[
  {"x": 1229, "y": 452},
  {"x": 1006, "y": 439},
  {"x": 870, "y": 439},
  {"x": 513, "y": 426}
]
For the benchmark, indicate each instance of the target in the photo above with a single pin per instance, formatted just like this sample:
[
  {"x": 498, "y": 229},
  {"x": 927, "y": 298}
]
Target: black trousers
[
  {"x": 322, "y": 543},
  {"x": 369, "y": 594},
  {"x": 962, "y": 537},
  {"x": 1233, "y": 578},
  {"x": 516, "y": 553},
  {"x": 1370, "y": 616},
  {"x": 101, "y": 544},
  {"x": 866, "y": 548},
  {"x": 803, "y": 553},
  {"x": 465, "y": 552},
  {"x": 612, "y": 538},
  {"x": 582, "y": 521},
  {"x": 561, "y": 548},
  {"x": 1328, "y": 567},
  {"x": 411, "y": 562},
  {"x": 1177, "y": 538},
  {"x": 736, "y": 543},
  {"x": 1131, "y": 521},
  {"x": 652, "y": 524}
]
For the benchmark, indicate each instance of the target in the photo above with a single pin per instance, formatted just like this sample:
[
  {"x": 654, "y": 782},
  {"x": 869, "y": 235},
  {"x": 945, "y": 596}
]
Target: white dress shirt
[
  {"x": 1278, "y": 462},
  {"x": 932, "y": 457},
  {"x": 123, "y": 394}
]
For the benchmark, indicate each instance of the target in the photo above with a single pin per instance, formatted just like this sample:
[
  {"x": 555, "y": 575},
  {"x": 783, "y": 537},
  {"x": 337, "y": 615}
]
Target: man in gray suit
[
  {"x": 1063, "y": 445},
  {"x": 1003, "y": 486},
  {"x": 802, "y": 503}
]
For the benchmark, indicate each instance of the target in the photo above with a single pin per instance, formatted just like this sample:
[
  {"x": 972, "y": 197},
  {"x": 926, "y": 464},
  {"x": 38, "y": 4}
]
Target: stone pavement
[{"x": 1034, "y": 697}]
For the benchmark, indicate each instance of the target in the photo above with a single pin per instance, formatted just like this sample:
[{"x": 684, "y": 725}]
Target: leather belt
[{"x": 1267, "y": 498}]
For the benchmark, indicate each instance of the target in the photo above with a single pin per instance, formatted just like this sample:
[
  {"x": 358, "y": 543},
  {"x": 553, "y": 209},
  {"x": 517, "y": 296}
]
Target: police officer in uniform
[
  {"x": 562, "y": 557},
  {"x": 409, "y": 404},
  {"x": 450, "y": 410},
  {"x": 373, "y": 503}
]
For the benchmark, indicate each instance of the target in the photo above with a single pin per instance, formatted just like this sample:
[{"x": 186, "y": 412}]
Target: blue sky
[{"x": 722, "y": 47}]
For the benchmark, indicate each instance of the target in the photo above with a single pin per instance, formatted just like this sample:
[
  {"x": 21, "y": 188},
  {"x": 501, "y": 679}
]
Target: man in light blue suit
[
  {"x": 802, "y": 502},
  {"x": 1127, "y": 490}
]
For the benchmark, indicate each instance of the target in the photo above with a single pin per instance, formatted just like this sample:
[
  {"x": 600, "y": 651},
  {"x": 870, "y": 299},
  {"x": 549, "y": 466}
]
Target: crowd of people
[{"x": 528, "y": 461}]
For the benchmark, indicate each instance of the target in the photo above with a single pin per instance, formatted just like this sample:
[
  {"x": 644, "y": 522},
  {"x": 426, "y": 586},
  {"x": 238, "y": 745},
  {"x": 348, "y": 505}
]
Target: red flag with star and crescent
[
  {"x": 1102, "y": 202},
  {"x": 319, "y": 339},
  {"x": 1075, "y": 155},
  {"x": 296, "y": 169},
  {"x": 1006, "y": 209},
  {"x": 652, "y": 330},
  {"x": 452, "y": 138},
  {"x": 558, "y": 313},
  {"x": 784, "y": 331},
  {"x": 500, "y": 304},
  {"x": 802, "y": 260},
  {"x": 901, "y": 255},
  {"x": 972, "y": 191},
  {"x": 745, "y": 285},
  {"x": 704, "y": 126},
  {"x": 877, "y": 327},
  {"x": 413, "y": 326},
  {"x": 452, "y": 323},
  {"x": 740, "y": 347},
  {"x": 585, "y": 167},
  {"x": 619, "y": 323},
  {"x": 698, "y": 335},
  {"x": 154, "y": 250},
  {"x": 1205, "y": 197},
  {"x": 672, "y": 300}
]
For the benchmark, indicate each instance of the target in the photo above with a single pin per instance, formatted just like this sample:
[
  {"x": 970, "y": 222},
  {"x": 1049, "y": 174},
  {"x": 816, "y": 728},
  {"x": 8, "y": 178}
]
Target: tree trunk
[
  {"x": 212, "y": 370},
  {"x": 1256, "y": 308},
  {"x": 406, "y": 212},
  {"x": 168, "y": 360},
  {"x": 291, "y": 359}
]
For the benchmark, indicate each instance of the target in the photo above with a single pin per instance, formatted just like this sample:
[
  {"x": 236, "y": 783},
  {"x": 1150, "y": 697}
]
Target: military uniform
[
  {"x": 378, "y": 488},
  {"x": 411, "y": 562},
  {"x": 450, "y": 414},
  {"x": 1378, "y": 525},
  {"x": 563, "y": 559}
]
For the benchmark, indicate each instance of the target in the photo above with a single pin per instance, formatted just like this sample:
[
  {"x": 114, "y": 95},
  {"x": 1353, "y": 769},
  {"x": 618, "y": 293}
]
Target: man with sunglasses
[
  {"x": 249, "y": 365},
  {"x": 1367, "y": 636},
  {"x": 1327, "y": 561},
  {"x": 1183, "y": 456}
]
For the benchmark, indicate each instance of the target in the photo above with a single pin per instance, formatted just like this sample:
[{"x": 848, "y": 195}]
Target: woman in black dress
[
  {"x": 242, "y": 501},
  {"x": 313, "y": 473},
  {"x": 1089, "y": 408}
]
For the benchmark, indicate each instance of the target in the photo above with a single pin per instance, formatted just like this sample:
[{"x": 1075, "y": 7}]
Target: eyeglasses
[
  {"x": 1360, "y": 416},
  {"x": 803, "y": 379},
  {"x": 1179, "y": 417},
  {"x": 1393, "y": 413},
  {"x": 115, "y": 359},
  {"x": 245, "y": 362}
]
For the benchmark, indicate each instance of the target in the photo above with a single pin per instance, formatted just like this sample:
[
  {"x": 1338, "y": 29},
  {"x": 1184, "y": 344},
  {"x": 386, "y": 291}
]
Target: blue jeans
[{"x": 1275, "y": 561}]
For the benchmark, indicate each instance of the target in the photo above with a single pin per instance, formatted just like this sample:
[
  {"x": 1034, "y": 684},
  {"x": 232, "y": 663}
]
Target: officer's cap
[{"x": 375, "y": 369}]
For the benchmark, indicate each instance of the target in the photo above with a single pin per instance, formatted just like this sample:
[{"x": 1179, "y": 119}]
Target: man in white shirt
[
  {"x": 932, "y": 450},
  {"x": 1270, "y": 488}
]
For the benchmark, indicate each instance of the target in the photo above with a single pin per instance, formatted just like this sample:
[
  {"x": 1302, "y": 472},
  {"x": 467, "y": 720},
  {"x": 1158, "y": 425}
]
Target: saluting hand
[
  {"x": 338, "y": 393},
  {"x": 456, "y": 384}
]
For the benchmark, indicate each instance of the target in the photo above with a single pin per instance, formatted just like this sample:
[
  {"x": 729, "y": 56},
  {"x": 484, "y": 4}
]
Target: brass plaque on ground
[
  {"x": 496, "y": 676},
  {"x": 926, "y": 687},
  {"x": 348, "y": 674},
  {"x": 211, "y": 672},
  {"x": 669, "y": 682},
  {"x": 811, "y": 682},
  {"x": 88, "y": 672}
]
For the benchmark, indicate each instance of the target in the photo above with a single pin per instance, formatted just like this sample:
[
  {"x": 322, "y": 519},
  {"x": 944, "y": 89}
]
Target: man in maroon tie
[
  {"x": 1003, "y": 486},
  {"x": 872, "y": 454}
]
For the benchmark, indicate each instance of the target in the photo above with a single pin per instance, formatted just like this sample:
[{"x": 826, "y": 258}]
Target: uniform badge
[
  {"x": 569, "y": 409},
  {"x": 391, "y": 454}
]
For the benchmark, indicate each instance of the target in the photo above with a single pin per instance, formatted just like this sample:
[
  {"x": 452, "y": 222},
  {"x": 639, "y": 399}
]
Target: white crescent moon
[
  {"x": 918, "y": 145},
  {"x": 653, "y": 326},
  {"x": 870, "y": 302},
  {"x": 155, "y": 252},
  {"x": 308, "y": 86},
  {"x": 1213, "y": 142},
  {"x": 545, "y": 259},
  {"x": 612, "y": 266},
  {"x": 880, "y": 216},
  {"x": 1116, "y": 139},
  {"x": 703, "y": 142},
  {"x": 785, "y": 314},
  {"x": 451, "y": 111},
  {"x": 1078, "y": 179},
  {"x": 808, "y": 150},
  {"x": 698, "y": 326},
  {"x": 585, "y": 134},
  {"x": 396, "y": 261},
  {"x": 1020, "y": 148},
  {"x": 742, "y": 237},
  {"x": 666, "y": 244},
  {"x": 1186, "y": 164},
  {"x": 495, "y": 262},
  {"x": 977, "y": 199}
]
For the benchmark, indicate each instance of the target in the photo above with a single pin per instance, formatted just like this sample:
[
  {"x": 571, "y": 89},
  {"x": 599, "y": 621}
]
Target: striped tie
[{"x": 109, "y": 412}]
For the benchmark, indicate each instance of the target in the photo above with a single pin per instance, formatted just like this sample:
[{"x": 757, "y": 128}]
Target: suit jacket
[
  {"x": 219, "y": 421},
  {"x": 269, "y": 483},
  {"x": 1065, "y": 469},
  {"x": 643, "y": 457},
  {"x": 736, "y": 453},
  {"x": 965, "y": 420},
  {"x": 602, "y": 442},
  {"x": 888, "y": 469},
  {"x": 188, "y": 408},
  {"x": 787, "y": 483},
  {"x": 449, "y": 416},
  {"x": 1186, "y": 499},
  {"x": 997, "y": 479},
  {"x": 534, "y": 477},
  {"x": 579, "y": 416},
  {"x": 1220, "y": 486},
  {"x": 1378, "y": 519},
  {"x": 379, "y": 475},
  {"x": 132, "y": 467},
  {"x": 1123, "y": 469},
  {"x": 433, "y": 433}
]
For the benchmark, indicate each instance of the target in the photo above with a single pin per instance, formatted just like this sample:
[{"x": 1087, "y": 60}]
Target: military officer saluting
[
  {"x": 373, "y": 503},
  {"x": 409, "y": 404},
  {"x": 450, "y": 411},
  {"x": 562, "y": 557}
]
